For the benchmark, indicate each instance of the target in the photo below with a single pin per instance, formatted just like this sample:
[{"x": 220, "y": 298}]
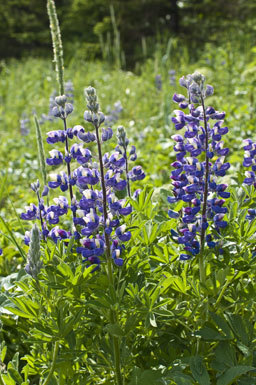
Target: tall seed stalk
[
  {"x": 57, "y": 44},
  {"x": 59, "y": 68}
]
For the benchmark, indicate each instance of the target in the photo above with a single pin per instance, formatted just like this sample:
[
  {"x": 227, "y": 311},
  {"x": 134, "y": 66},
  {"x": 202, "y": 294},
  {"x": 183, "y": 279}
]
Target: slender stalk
[
  {"x": 113, "y": 315},
  {"x": 40, "y": 213},
  {"x": 222, "y": 292},
  {"x": 126, "y": 171},
  {"x": 68, "y": 167},
  {"x": 55, "y": 354},
  {"x": 202, "y": 236},
  {"x": 41, "y": 153}
]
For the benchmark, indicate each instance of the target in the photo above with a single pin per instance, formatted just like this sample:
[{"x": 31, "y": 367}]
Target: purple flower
[
  {"x": 82, "y": 155},
  {"x": 106, "y": 134},
  {"x": 59, "y": 180},
  {"x": 56, "y": 136},
  {"x": 30, "y": 214},
  {"x": 123, "y": 235},
  {"x": 56, "y": 158},
  {"x": 57, "y": 234}
]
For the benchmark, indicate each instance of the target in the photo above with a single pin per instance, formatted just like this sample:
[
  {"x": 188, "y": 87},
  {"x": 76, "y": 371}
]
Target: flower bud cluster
[
  {"x": 200, "y": 160},
  {"x": 69, "y": 92}
]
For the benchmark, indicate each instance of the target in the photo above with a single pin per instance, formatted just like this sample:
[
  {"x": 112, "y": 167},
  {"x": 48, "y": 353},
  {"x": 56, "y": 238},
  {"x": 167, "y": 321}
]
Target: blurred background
[{"x": 125, "y": 31}]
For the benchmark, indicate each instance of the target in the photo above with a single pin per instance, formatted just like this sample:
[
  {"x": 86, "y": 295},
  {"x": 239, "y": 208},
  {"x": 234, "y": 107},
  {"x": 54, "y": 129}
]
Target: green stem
[
  {"x": 127, "y": 173},
  {"x": 68, "y": 167},
  {"x": 113, "y": 315},
  {"x": 223, "y": 290},
  {"x": 202, "y": 237},
  {"x": 202, "y": 267},
  {"x": 55, "y": 353}
]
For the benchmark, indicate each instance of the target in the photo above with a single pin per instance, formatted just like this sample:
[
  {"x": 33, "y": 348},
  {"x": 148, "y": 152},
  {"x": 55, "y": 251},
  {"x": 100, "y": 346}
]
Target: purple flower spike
[{"x": 200, "y": 159}]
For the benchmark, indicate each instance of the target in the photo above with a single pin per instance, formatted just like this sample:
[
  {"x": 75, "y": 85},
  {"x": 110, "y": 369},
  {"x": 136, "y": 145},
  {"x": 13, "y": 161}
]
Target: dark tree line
[{"x": 88, "y": 23}]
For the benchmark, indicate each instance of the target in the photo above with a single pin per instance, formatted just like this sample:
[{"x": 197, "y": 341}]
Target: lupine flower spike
[{"x": 200, "y": 160}]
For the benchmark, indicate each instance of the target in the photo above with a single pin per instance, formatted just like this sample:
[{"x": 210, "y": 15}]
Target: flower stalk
[
  {"x": 113, "y": 315},
  {"x": 51, "y": 372},
  {"x": 205, "y": 196},
  {"x": 40, "y": 148}
]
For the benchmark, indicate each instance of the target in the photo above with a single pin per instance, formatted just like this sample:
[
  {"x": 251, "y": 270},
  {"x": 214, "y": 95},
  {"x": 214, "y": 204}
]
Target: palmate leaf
[
  {"x": 222, "y": 324},
  {"x": 233, "y": 373},
  {"x": 115, "y": 330},
  {"x": 146, "y": 377},
  {"x": 180, "y": 378},
  {"x": 199, "y": 371},
  {"x": 210, "y": 334},
  {"x": 238, "y": 327}
]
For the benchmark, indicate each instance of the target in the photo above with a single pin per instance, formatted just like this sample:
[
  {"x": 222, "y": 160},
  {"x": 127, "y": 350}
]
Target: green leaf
[
  {"x": 152, "y": 320},
  {"x": 8, "y": 380},
  {"x": 146, "y": 377},
  {"x": 233, "y": 373},
  {"x": 13, "y": 239},
  {"x": 114, "y": 330},
  {"x": 14, "y": 374},
  {"x": 222, "y": 324},
  {"x": 3, "y": 351},
  {"x": 179, "y": 285},
  {"x": 210, "y": 334},
  {"x": 199, "y": 371},
  {"x": 65, "y": 270},
  {"x": 182, "y": 378},
  {"x": 15, "y": 361},
  {"x": 238, "y": 327},
  {"x": 18, "y": 312},
  {"x": 70, "y": 324},
  {"x": 225, "y": 355}
]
